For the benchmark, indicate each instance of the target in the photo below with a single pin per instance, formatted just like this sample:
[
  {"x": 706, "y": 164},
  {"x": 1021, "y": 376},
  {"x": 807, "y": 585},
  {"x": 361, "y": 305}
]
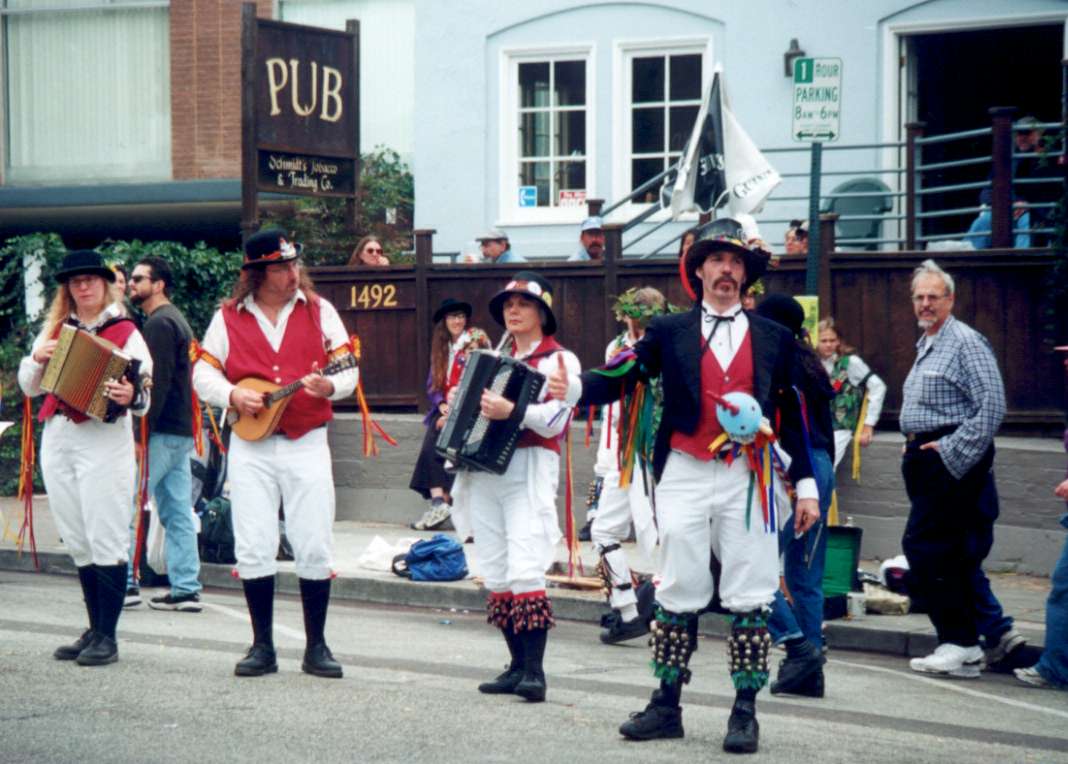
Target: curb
[{"x": 462, "y": 595}]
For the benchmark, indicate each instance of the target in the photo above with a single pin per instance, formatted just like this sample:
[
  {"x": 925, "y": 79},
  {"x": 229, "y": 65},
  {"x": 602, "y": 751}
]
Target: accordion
[
  {"x": 470, "y": 440},
  {"x": 79, "y": 368}
]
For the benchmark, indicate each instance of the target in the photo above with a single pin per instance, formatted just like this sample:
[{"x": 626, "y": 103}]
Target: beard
[
  {"x": 925, "y": 323},
  {"x": 136, "y": 299}
]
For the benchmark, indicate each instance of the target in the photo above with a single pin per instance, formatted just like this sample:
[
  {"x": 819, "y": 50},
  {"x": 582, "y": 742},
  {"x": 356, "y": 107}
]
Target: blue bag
[{"x": 437, "y": 559}]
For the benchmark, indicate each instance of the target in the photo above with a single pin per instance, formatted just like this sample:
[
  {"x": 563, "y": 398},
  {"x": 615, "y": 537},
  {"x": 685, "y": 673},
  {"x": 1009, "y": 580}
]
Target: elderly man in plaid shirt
[{"x": 954, "y": 401}]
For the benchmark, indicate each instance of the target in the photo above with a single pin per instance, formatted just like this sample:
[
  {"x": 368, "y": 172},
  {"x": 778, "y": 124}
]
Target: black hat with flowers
[
  {"x": 80, "y": 262},
  {"x": 532, "y": 285},
  {"x": 268, "y": 247},
  {"x": 722, "y": 235}
]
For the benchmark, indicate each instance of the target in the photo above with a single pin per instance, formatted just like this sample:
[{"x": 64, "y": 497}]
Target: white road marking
[
  {"x": 242, "y": 615},
  {"x": 953, "y": 686}
]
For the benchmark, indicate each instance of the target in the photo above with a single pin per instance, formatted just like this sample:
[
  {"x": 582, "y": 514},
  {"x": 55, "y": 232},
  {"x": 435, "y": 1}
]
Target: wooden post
[
  {"x": 424, "y": 255},
  {"x": 613, "y": 253},
  {"x": 914, "y": 131},
  {"x": 827, "y": 237},
  {"x": 594, "y": 207},
  {"x": 1001, "y": 198},
  {"x": 352, "y": 205},
  {"x": 250, "y": 213}
]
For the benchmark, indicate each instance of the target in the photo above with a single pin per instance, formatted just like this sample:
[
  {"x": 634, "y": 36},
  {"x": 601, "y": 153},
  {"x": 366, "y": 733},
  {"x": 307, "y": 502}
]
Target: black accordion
[{"x": 472, "y": 441}]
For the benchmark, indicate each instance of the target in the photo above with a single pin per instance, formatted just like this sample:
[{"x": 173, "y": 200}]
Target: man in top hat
[
  {"x": 704, "y": 498},
  {"x": 591, "y": 241},
  {"x": 514, "y": 514},
  {"x": 275, "y": 327},
  {"x": 496, "y": 248}
]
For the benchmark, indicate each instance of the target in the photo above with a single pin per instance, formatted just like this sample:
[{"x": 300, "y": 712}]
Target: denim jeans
[
  {"x": 803, "y": 560},
  {"x": 170, "y": 483},
  {"x": 1053, "y": 665}
]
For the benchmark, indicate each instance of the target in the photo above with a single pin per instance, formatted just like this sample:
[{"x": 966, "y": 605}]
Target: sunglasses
[{"x": 139, "y": 279}]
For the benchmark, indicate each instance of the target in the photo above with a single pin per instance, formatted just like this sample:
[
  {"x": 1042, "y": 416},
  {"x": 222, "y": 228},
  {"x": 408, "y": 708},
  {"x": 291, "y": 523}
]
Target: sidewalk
[{"x": 1022, "y": 596}]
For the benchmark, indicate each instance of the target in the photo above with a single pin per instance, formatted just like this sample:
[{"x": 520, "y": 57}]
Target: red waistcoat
[
  {"x": 116, "y": 331},
  {"x": 529, "y": 438},
  {"x": 251, "y": 355},
  {"x": 737, "y": 378}
]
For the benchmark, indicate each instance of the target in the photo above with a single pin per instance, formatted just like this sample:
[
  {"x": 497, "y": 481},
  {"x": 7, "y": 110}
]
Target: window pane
[
  {"x": 534, "y": 84},
  {"x": 571, "y": 175},
  {"x": 682, "y": 119},
  {"x": 685, "y": 77},
  {"x": 536, "y": 174},
  {"x": 571, "y": 133},
  {"x": 570, "y": 83},
  {"x": 642, "y": 170},
  {"x": 647, "y": 130},
  {"x": 647, "y": 75},
  {"x": 534, "y": 134}
]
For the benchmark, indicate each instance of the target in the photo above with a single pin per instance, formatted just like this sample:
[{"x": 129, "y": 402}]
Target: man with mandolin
[{"x": 273, "y": 335}]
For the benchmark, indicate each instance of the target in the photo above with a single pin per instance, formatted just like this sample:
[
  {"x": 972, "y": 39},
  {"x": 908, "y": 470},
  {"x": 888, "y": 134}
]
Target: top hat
[
  {"x": 722, "y": 235},
  {"x": 84, "y": 261},
  {"x": 449, "y": 305},
  {"x": 783, "y": 310},
  {"x": 270, "y": 246},
  {"x": 532, "y": 285}
]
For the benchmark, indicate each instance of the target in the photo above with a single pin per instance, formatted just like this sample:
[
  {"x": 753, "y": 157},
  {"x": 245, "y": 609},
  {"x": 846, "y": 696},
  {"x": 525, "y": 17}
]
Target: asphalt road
[{"x": 409, "y": 695}]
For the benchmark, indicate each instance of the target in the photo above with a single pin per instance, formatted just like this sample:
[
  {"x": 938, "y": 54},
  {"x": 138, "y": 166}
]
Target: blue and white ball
[{"x": 743, "y": 426}]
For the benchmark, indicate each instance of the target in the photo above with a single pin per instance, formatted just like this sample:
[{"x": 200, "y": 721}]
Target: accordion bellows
[
  {"x": 470, "y": 440},
  {"x": 78, "y": 370}
]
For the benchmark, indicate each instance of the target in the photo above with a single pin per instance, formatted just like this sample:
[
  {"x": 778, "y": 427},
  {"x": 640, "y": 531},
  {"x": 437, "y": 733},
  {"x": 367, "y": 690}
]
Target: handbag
[{"x": 437, "y": 559}]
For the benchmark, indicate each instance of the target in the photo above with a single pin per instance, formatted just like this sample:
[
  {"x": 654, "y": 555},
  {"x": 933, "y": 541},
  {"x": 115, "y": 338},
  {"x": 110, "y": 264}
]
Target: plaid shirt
[{"x": 955, "y": 383}]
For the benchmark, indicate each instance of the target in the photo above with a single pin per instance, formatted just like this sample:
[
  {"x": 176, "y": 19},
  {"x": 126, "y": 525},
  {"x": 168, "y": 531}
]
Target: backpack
[{"x": 438, "y": 559}]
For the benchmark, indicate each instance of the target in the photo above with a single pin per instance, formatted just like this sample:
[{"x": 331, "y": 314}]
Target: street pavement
[{"x": 409, "y": 695}]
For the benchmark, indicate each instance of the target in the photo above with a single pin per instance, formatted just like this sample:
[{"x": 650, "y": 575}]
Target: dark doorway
[{"x": 958, "y": 77}]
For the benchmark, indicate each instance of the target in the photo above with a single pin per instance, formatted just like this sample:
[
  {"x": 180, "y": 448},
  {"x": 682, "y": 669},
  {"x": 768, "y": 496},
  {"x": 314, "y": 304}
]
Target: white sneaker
[
  {"x": 950, "y": 660},
  {"x": 1031, "y": 676}
]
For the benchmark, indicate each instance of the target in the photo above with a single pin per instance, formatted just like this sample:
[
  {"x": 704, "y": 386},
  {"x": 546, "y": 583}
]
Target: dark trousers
[{"x": 949, "y": 533}]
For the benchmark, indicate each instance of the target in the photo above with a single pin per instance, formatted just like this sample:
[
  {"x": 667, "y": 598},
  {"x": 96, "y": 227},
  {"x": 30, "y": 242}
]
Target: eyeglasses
[
  {"x": 371, "y": 251},
  {"x": 139, "y": 279},
  {"x": 919, "y": 299}
]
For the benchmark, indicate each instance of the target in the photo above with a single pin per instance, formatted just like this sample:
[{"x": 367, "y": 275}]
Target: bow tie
[{"x": 710, "y": 317}]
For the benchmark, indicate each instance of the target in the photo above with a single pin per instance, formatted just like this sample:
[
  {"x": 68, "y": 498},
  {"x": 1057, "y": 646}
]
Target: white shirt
[
  {"x": 212, "y": 385},
  {"x": 856, "y": 371},
  {"x": 728, "y": 336},
  {"x": 549, "y": 417}
]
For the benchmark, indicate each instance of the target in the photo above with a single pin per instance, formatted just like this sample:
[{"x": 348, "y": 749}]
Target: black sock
[
  {"x": 314, "y": 597},
  {"x": 668, "y": 695},
  {"x": 747, "y": 695},
  {"x": 87, "y": 578},
  {"x": 259, "y": 594},
  {"x": 795, "y": 647},
  {"x": 110, "y": 593},
  {"x": 534, "y": 641}
]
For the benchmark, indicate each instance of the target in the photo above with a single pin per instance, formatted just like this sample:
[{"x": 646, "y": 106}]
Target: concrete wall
[{"x": 1028, "y": 538}]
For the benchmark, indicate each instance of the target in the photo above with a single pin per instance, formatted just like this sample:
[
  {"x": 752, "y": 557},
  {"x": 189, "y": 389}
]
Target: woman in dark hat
[
  {"x": 514, "y": 514},
  {"x": 452, "y": 340},
  {"x": 88, "y": 465},
  {"x": 800, "y": 626}
]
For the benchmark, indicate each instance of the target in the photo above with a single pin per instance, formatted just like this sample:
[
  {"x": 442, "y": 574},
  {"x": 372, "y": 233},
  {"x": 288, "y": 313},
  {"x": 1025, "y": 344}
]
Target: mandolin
[{"x": 275, "y": 400}]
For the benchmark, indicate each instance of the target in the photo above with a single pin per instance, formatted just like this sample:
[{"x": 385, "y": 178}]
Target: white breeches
[
  {"x": 514, "y": 521},
  {"x": 297, "y": 475},
  {"x": 89, "y": 472},
  {"x": 702, "y": 506},
  {"x": 616, "y": 509}
]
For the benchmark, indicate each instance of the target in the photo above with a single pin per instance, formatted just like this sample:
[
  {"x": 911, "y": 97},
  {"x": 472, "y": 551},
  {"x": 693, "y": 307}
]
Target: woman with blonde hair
[
  {"x": 88, "y": 465},
  {"x": 369, "y": 251}
]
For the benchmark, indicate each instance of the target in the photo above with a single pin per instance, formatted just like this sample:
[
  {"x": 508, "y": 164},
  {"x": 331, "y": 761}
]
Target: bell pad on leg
[
  {"x": 673, "y": 640},
  {"x": 532, "y": 611},
  {"x": 747, "y": 650},
  {"x": 499, "y": 609}
]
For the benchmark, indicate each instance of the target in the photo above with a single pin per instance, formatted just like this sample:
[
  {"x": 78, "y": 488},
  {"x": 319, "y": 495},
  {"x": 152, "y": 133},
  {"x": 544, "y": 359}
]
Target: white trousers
[
  {"x": 295, "y": 474},
  {"x": 702, "y": 506},
  {"x": 89, "y": 472},
  {"x": 514, "y": 521},
  {"x": 616, "y": 509},
  {"x": 842, "y": 440}
]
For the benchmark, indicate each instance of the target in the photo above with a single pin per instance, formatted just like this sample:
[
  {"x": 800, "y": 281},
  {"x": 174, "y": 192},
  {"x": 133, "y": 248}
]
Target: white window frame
[
  {"x": 509, "y": 213},
  {"x": 625, "y": 51}
]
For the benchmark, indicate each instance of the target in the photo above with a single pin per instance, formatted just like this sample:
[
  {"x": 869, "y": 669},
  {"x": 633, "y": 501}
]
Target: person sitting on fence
[
  {"x": 591, "y": 241},
  {"x": 981, "y": 230},
  {"x": 369, "y": 251},
  {"x": 495, "y": 249},
  {"x": 797, "y": 237}
]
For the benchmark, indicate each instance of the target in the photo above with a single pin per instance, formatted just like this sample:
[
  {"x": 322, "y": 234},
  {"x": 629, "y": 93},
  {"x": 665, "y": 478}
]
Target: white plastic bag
[{"x": 155, "y": 555}]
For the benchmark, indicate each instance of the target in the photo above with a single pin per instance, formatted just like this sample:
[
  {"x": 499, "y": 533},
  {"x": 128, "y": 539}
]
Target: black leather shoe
[
  {"x": 584, "y": 531},
  {"x": 260, "y": 660},
  {"x": 532, "y": 686},
  {"x": 504, "y": 684},
  {"x": 743, "y": 731},
  {"x": 101, "y": 651},
  {"x": 620, "y": 631},
  {"x": 653, "y": 723},
  {"x": 71, "y": 651},
  {"x": 318, "y": 660},
  {"x": 797, "y": 676}
]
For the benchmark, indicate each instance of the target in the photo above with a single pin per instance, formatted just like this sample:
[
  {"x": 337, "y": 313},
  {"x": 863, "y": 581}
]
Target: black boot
[
  {"x": 318, "y": 660},
  {"x": 743, "y": 731},
  {"x": 87, "y": 578},
  {"x": 110, "y": 593},
  {"x": 261, "y": 658},
  {"x": 801, "y": 673},
  {"x": 662, "y": 718},
  {"x": 532, "y": 685},
  {"x": 506, "y": 682}
]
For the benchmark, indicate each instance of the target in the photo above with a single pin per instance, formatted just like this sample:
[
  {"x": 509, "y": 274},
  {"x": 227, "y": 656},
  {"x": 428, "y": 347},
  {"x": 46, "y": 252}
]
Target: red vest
[
  {"x": 738, "y": 378},
  {"x": 251, "y": 355},
  {"x": 529, "y": 438},
  {"x": 116, "y": 331}
]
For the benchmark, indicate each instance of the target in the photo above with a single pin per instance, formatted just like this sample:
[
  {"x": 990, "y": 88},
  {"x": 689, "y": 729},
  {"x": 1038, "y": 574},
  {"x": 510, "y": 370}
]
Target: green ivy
[{"x": 320, "y": 224}]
